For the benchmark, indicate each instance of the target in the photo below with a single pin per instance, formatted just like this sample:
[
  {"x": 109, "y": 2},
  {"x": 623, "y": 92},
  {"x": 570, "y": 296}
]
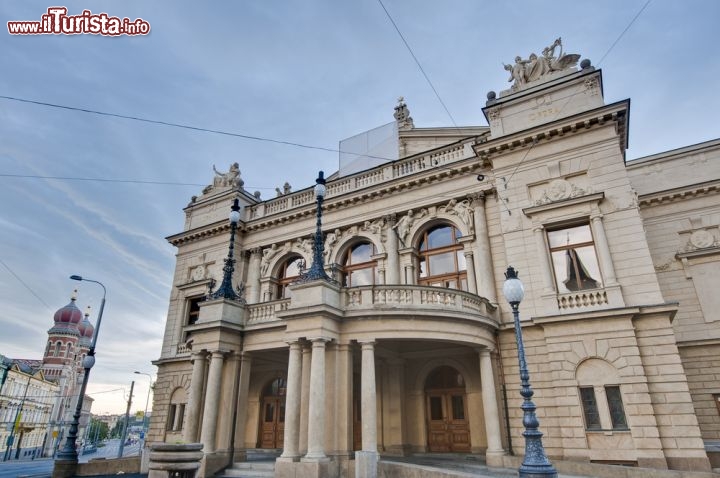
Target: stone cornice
[
  {"x": 530, "y": 211},
  {"x": 203, "y": 232},
  {"x": 697, "y": 343},
  {"x": 678, "y": 194},
  {"x": 616, "y": 112}
]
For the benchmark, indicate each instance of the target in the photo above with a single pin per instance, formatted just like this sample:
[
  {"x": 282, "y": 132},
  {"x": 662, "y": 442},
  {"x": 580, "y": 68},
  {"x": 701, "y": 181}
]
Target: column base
[
  {"x": 316, "y": 458},
  {"x": 64, "y": 468},
  {"x": 494, "y": 458},
  {"x": 288, "y": 459},
  {"x": 366, "y": 464},
  {"x": 312, "y": 469}
]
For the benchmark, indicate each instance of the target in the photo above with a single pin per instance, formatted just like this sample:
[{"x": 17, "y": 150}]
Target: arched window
[
  {"x": 176, "y": 410},
  {"x": 68, "y": 351},
  {"x": 358, "y": 266},
  {"x": 57, "y": 349},
  {"x": 48, "y": 348},
  {"x": 442, "y": 262},
  {"x": 289, "y": 273}
]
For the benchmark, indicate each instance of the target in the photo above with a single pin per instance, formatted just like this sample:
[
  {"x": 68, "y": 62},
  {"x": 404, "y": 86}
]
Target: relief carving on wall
[
  {"x": 406, "y": 222},
  {"x": 559, "y": 190},
  {"x": 461, "y": 209},
  {"x": 700, "y": 239}
]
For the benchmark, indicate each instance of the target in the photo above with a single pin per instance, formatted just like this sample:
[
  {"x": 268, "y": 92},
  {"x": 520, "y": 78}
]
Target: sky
[{"x": 307, "y": 72}]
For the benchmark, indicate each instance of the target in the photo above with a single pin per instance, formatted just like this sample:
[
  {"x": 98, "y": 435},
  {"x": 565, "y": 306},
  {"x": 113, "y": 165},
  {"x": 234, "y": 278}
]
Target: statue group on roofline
[{"x": 536, "y": 67}]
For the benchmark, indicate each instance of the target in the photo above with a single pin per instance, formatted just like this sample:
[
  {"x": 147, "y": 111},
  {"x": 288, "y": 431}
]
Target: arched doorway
[
  {"x": 446, "y": 411},
  {"x": 272, "y": 415}
]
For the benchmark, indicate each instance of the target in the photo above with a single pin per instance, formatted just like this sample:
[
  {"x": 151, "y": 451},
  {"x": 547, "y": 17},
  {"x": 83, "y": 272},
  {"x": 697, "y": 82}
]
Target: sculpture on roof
[
  {"x": 537, "y": 67},
  {"x": 230, "y": 179}
]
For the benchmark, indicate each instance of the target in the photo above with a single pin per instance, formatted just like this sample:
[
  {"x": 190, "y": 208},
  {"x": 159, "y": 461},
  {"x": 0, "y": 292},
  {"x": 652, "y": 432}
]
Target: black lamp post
[
  {"x": 69, "y": 451},
  {"x": 226, "y": 291},
  {"x": 317, "y": 268},
  {"x": 535, "y": 464}
]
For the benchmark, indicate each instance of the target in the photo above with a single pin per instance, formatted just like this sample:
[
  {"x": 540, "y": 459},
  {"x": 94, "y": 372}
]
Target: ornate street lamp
[
  {"x": 317, "y": 268},
  {"x": 226, "y": 291},
  {"x": 69, "y": 451},
  {"x": 535, "y": 464}
]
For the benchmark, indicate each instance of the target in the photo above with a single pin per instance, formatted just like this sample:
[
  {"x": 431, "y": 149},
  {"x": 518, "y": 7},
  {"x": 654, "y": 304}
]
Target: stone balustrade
[
  {"x": 355, "y": 182},
  {"x": 265, "y": 311},
  {"x": 417, "y": 297},
  {"x": 582, "y": 299}
]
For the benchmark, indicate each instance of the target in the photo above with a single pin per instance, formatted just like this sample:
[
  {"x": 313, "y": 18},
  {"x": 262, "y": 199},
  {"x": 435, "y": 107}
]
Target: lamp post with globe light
[
  {"x": 226, "y": 291},
  {"x": 535, "y": 464},
  {"x": 317, "y": 268},
  {"x": 68, "y": 456}
]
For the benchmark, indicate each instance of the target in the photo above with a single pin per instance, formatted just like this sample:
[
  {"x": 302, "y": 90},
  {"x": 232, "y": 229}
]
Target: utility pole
[{"x": 127, "y": 421}]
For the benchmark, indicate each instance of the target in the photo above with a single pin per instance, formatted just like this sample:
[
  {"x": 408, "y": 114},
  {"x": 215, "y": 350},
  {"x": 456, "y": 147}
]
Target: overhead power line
[
  {"x": 186, "y": 126},
  {"x": 24, "y": 284},
  {"x": 417, "y": 62}
]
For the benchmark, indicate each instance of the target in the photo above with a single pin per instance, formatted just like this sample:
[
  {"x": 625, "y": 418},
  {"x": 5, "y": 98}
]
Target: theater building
[{"x": 411, "y": 347}]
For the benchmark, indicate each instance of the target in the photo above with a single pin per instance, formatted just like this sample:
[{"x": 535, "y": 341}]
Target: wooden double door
[
  {"x": 272, "y": 418},
  {"x": 448, "y": 427}
]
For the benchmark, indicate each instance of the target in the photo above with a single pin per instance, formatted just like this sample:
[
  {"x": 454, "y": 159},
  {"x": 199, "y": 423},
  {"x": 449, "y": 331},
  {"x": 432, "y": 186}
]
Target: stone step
[{"x": 249, "y": 469}]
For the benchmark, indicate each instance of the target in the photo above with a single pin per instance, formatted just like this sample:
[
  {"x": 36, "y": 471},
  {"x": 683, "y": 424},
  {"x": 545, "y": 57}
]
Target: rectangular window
[
  {"x": 574, "y": 260},
  {"x": 180, "y": 417},
  {"x": 193, "y": 305},
  {"x": 171, "y": 418},
  {"x": 617, "y": 412},
  {"x": 590, "y": 408}
]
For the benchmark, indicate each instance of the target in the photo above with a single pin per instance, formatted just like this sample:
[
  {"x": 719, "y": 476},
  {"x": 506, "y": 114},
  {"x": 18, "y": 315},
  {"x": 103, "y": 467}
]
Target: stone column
[
  {"x": 366, "y": 460},
  {"x": 471, "y": 277},
  {"x": 242, "y": 405},
  {"x": 490, "y": 408},
  {"x": 482, "y": 256},
  {"x": 253, "y": 277},
  {"x": 603, "y": 250},
  {"x": 316, "y": 407},
  {"x": 305, "y": 398},
  {"x": 543, "y": 258},
  {"x": 195, "y": 398},
  {"x": 212, "y": 401},
  {"x": 292, "y": 404},
  {"x": 392, "y": 275}
]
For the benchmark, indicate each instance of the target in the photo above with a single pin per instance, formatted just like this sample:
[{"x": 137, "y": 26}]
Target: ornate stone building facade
[{"x": 412, "y": 349}]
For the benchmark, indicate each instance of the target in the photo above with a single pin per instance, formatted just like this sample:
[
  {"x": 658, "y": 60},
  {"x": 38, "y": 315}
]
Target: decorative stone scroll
[{"x": 558, "y": 190}]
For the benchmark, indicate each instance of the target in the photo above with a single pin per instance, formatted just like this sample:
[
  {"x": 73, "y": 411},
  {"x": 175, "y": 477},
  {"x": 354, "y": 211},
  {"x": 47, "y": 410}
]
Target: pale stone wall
[{"x": 702, "y": 367}]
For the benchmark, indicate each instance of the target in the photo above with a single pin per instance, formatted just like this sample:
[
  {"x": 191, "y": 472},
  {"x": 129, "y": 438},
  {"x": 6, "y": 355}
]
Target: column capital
[
  {"x": 220, "y": 353},
  {"x": 367, "y": 344},
  {"x": 538, "y": 228},
  {"x": 596, "y": 216},
  {"x": 199, "y": 355},
  {"x": 485, "y": 351},
  {"x": 295, "y": 343},
  {"x": 319, "y": 341},
  {"x": 477, "y": 199},
  {"x": 468, "y": 253},
  {"x": 255, "y": 251}
]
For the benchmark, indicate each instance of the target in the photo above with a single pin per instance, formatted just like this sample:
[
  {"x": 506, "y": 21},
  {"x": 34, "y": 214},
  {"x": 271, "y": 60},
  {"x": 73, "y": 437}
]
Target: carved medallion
[
  {"x": 701, "y": 239},
  {"x": 559, "y": 189}
]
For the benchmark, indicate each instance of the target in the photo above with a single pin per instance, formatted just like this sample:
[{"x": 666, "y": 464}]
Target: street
[{"x": 42, "y": 467}]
